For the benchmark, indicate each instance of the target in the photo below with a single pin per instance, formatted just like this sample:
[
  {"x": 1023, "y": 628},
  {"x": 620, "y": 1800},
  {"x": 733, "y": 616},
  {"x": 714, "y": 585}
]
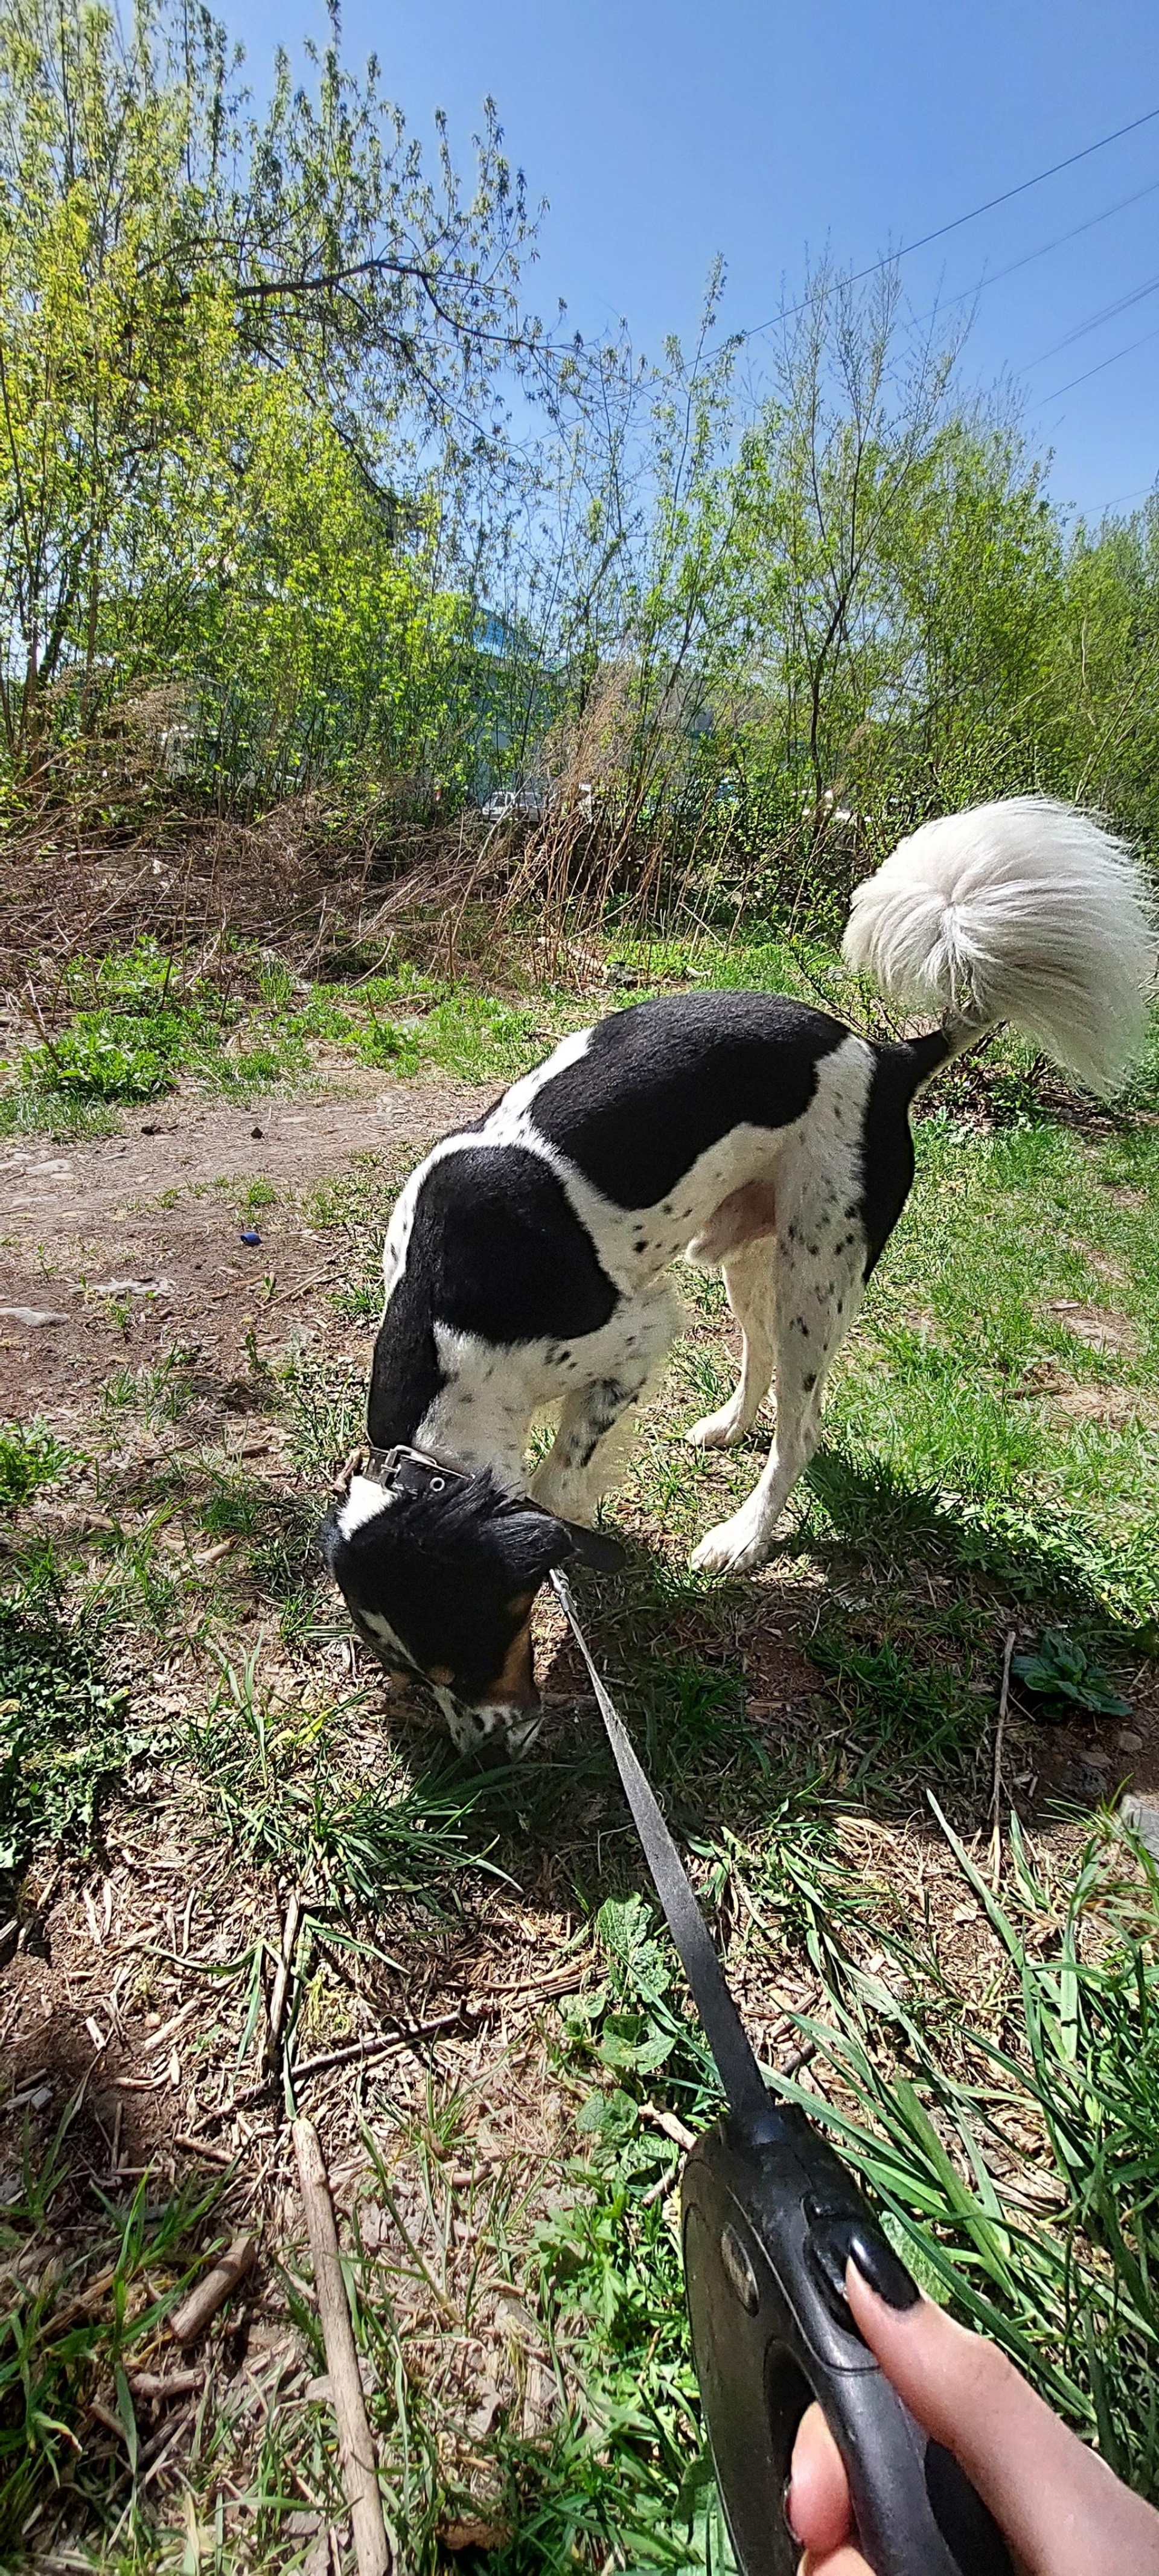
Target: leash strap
[{"x": 736, "y": 2065}]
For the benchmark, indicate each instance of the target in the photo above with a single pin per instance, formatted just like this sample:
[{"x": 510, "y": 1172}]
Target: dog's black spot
[
  {"x": 887, "y": 1147},
  {"x": 495, "y": 1250},
  {"x": 659, "y": 1084}
]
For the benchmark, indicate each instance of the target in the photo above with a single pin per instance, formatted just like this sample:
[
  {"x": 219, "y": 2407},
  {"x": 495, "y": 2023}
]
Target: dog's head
[{"x": 441, "y": 1582}]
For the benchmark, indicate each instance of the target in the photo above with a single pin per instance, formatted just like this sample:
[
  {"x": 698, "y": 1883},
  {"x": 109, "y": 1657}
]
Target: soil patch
[{"x": 129, "y": 1244}]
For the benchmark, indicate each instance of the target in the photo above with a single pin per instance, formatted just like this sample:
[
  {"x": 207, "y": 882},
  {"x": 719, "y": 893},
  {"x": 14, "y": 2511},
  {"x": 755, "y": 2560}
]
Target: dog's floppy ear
[
  {"x": 531, "y": 1541},
  {"x": 595, "y": 1547}
]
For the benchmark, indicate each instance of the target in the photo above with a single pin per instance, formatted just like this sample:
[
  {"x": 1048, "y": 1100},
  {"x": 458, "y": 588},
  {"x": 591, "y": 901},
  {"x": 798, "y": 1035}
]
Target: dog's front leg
[
  {"x": 589, "y": 1444},
  {"x": 573, "y": 1474},
  {"x": 746, "y": 1540}
]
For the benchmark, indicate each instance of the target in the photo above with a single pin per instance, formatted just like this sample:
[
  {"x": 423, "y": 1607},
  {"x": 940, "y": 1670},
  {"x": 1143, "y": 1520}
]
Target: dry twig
[
  {"x": 355, "y": 2448},
  {"x": 996, "y": 1794},
  {"x": 281, "y": 1984},
  {"x": 191, "y": 2318}
]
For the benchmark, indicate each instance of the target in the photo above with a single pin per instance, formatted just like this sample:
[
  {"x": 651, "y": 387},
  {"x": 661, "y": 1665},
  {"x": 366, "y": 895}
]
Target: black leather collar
[{"x": 411, "y": 1471}]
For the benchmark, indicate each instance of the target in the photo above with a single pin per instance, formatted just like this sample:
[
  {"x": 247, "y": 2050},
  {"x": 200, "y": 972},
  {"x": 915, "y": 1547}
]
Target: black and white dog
[{"x": 525, "y": 1259}]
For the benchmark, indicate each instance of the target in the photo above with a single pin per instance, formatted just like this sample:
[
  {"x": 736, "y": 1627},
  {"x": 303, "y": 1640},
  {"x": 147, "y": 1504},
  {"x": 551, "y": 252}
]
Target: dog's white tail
[{"x": 1025, "y": 910}]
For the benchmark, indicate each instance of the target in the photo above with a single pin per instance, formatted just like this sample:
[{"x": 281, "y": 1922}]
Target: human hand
[{"x": 1061, "y": 2509}]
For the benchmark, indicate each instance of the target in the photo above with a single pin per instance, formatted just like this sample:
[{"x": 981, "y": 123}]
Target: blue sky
[{"x": 664, "y": 134}]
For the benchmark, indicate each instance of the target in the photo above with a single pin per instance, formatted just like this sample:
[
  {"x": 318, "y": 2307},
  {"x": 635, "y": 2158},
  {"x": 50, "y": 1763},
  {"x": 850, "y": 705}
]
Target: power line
[
  {"x": 1095, "y": 321},
  {"x": 1122, "y": 497},
  {"x": 1056, "y": 243},
  {"x": 940, "y": 231},
  {"x": 1112, "y": 361}
]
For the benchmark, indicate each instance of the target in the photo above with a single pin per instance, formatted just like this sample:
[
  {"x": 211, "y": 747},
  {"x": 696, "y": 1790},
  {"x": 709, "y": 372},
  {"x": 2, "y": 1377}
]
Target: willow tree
[{"x": 165, "y": 254}]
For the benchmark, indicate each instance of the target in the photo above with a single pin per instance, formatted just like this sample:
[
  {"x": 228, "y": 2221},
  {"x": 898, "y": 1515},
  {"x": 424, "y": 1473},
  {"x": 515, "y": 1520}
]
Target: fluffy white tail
[{"x": 1025, "y": 911}]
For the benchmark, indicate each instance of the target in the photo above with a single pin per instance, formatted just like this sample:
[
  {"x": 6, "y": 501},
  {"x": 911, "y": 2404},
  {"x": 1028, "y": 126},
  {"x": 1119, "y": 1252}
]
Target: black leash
[
  {"x": 723, "y": 2028},
  {"x": 769, "y": 2218}
]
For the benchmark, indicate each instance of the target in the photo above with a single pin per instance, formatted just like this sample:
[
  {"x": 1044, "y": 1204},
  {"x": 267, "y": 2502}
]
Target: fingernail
[
  {"x": 879, "y": 2265},
  {"x": 787, "y": 2509}
]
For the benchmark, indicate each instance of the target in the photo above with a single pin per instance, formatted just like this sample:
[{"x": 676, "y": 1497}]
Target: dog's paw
[
  {"x": 734, "y": 1548},
  {"x": 716, "y": 1431}
]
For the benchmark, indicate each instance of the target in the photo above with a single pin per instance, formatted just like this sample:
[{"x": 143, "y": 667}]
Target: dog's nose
[
  {"x": 493, "y": 1730},
  {"x": 521, "y": 1726}
]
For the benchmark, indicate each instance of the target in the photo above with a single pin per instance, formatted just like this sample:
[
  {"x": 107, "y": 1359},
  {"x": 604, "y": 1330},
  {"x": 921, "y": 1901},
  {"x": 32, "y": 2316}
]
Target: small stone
[
  {"x": 1127, "y": 1741},
  {"x": 255, "y": 1132},
  {"x": 1143, "y": 1818}
]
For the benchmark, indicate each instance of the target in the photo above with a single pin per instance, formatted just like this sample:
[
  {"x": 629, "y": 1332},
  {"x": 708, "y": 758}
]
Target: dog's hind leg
[
  {"x": 749, "y": 1281},
  {"x": 818, "y": 1287}
]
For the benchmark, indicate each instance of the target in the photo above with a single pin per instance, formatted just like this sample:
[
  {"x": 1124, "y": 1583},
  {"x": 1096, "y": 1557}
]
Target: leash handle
[{"x": 767, "y": 2210}]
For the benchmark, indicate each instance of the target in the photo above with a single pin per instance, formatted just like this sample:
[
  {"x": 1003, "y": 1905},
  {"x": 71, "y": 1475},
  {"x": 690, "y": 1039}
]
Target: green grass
[
  {"x": 135, "y": 1023},
  {"x": 285, "y": 1779},
  {"x": 1063, "y": 2067},
  {"x": 966, "y": 1383},
  {"x": 948, "y": 2105},
  {"x": 65, "y": 1733},
  {"x": 31, "y": 1456},
  {"x": 58, "y": 2350},
  {"x": 989, "y": 1461}
]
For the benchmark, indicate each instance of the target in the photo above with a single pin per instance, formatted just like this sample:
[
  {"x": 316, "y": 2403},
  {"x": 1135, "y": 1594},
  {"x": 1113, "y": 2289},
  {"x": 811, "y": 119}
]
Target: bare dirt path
[{"x": 160, "y": 1207}]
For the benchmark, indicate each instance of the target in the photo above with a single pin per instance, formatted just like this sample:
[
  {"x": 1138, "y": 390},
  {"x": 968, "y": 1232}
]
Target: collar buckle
[{"x": 411, "y": 1471}]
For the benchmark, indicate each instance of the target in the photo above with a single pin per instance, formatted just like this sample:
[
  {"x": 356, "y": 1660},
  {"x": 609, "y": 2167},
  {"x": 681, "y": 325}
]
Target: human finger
[
  {"x": 1060, "y": 2507},
  {"x": 817, "y": 2502}
]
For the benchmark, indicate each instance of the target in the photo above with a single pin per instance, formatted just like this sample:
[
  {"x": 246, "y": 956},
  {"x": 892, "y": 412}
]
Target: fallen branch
[
  {"x": 355, "y": 2448},
  {"x": 281, "y": 1985},
  {"x": 996, "y": 1794},
  {"x": 165, "y": 2384},
  {"x": 473, "y": 2008},
  {"x": 203, "y": 2147},
  {"x": 191, "y": 2318},
  {"x": 298, "y": 1287},
  {"x": 680, "y": 2134}
]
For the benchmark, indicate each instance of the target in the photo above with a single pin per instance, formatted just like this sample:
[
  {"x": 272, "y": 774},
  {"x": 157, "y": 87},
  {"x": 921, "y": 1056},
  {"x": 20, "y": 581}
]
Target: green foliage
[
  {"x": 64, "y": 1728},
  {"x": 133, "y": 1029},
  {"x": 1061, "y": 1669},
  {"x": 70, "y": 2329},
  {"x": 264, "y": 525},
  {"x": 100, "y": 1056},
  {"x": 30, "y": 1456},
  {"x": 203, "y": 426}
]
